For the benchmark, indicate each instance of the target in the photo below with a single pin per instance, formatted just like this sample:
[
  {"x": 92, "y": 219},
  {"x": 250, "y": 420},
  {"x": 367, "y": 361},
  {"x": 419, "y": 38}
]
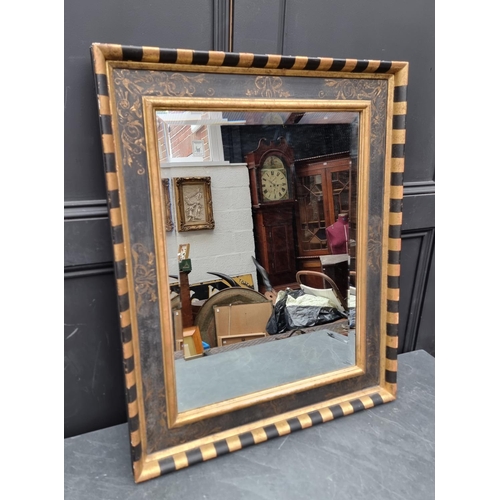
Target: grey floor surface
[{"x": 384, "y": 453}]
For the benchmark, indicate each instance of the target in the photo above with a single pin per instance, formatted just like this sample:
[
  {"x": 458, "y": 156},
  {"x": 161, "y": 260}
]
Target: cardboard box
[{"x": 241, "y": 321}]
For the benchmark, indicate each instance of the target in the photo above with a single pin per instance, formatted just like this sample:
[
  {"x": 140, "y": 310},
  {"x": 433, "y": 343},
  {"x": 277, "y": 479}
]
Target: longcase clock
[{"x": 272, "y": 184}]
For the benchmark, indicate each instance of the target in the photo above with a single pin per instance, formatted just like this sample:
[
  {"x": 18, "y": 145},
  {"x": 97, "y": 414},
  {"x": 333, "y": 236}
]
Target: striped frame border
[{"x": 100, "y": 53}]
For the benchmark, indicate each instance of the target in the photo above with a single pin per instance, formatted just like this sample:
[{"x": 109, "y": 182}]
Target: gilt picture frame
[
  {"x": 131, "y": 83},
  {"x": 169, "y": 223},
  {"x": 193, "y": 202}
]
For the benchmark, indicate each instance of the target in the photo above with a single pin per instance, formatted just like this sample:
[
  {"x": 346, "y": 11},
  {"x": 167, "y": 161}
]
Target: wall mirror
[{"x": 256, "y": 206}]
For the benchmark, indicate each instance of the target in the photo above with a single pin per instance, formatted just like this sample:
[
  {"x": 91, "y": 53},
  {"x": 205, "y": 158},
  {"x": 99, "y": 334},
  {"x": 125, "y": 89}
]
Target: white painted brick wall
[{"x": 230, "y": 246}]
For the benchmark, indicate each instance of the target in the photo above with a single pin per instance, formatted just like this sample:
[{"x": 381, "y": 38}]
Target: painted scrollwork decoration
[
  {"x": 269, "y": 87},
  {"x": 144, "y": 275}
]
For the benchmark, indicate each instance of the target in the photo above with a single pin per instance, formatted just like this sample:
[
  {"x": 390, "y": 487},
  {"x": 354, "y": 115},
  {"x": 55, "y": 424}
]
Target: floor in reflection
[{"x": 212, "y": 379}]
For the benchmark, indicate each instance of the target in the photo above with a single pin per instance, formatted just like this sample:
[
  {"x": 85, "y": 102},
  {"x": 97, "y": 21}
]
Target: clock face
[{"x": 274, "y": 181}]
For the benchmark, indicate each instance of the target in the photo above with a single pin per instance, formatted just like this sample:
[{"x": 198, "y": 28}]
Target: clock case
[{"x": 274, "y": 235}]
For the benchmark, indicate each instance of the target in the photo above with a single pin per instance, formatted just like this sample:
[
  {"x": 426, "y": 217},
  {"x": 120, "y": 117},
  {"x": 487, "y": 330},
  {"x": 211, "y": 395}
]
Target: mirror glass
[{"x": 251, "y": 199}]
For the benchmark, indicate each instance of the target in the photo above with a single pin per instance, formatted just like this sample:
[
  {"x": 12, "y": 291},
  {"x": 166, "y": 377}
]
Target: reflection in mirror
[{"x": 261, "y": 247}]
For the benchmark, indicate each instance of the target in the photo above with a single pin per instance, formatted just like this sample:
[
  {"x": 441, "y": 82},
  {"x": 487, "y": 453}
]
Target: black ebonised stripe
[
  {"x": 337, "y": 65},
  {"x": 392, "y": 330},
  {"x": 393, "y": 281},
  {"x": 109, "y": 163},
  {"x": 221, "y": 447},
  {"x": 231, "y": 59},
  {"x": 123, "y": 302},
  {"x": 127, "y": 334},
  {"x": 357, "y": 405},
  {"x": 168, "y": 56},
  {"x": 391, "y": 376},
  {"x": 397, "y": 179},
  {"x": 392, "y": 306},
  {"x": 400, "y": 93},
  {"x": 132, "y": 394},
  {"x": 117, "y": 233},
  {"x": 394, "y": 256},
  {"x": 101, "y": 82},
  {"x": 260, "y": 61},
  {"x": 286, "y": 62},
  {"x": 383, "y": 67},
  {"x": 120, "y": 269},
  {"x": 399, "y": 122},
  {"x": 194, "y": 456},
  {"x": 113, "y": 199},
  {"x": 201, "y": 57},
  {"x": 391, "y": 353},
  {"x": 294, "y": 424},
  {"x": 136, "y": 452},
  {"x": 167, "y": 465},
  {"x": 312, "y": 63},
  {"x": 271, "y": 431},
  {"x": 246, "y": 439},
  {"x": 316, "y": 417},
  {"x": 395, "y": 232},
  {"x": 128, "y": 364},
  {"x": 360, "y": 66},
  {"x": 398, "y": 151},
  {"x": 337, "y": 411},
  {"x": 396, "y": 206},
  {"x": 105, "y": 124},
  {"x": 377, "y": 399},
  {"x": 133, "y": 423},
  {"x": 131, "y": 53}
]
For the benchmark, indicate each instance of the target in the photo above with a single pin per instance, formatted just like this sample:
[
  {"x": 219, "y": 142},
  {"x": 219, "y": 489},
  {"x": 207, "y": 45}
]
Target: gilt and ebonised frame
[{"x": 131, "y": 84}]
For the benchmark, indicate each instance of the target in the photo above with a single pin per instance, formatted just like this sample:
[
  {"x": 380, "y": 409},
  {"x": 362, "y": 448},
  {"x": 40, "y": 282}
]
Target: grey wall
[{"x": 387, "y": 29}]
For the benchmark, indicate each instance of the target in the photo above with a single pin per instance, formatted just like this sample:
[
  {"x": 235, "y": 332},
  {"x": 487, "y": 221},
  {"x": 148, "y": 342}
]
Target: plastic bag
[{"x": 295, "y": 315}]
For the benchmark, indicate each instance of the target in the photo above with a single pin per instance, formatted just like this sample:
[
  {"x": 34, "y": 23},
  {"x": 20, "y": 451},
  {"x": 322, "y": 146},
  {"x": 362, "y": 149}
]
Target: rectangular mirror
[{"x": 256, "y": 207}]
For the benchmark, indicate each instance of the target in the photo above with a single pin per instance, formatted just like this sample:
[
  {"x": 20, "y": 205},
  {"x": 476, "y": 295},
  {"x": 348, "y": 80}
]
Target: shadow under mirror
[{"x": 260, "y": 218}]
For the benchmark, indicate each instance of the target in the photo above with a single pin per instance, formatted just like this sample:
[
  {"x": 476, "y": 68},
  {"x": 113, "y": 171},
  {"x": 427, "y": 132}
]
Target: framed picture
[
  {"x": 198, "y": 149},
  {"x": 169, "y": 224},
  {"x": 193, "y": 203}
]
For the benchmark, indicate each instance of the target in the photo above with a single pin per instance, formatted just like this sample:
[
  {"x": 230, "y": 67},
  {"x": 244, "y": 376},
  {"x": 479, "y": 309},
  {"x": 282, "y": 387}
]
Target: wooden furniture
[
  {"x": 271, "y": 169},
  {"x": 323, "y": 191}
]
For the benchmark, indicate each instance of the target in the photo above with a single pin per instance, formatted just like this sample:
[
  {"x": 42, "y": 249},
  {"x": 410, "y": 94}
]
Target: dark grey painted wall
[{"x": 387, "y": 29}]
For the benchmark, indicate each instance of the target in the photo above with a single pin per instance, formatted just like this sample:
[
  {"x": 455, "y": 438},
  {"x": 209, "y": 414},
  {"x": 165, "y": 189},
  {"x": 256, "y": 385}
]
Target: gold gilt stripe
[
  {"x": 121, "y": 285},
  {"x": 391, "y": 341},
  {"x": 325, "y": 64},
  {"x": 386, "y": 398},
  {"x": 391, "y": 365},
  {"x": 115, "y": 217},
  {"x": 397, "y": 165},
  {"x": 372, "y": 66},
  {"x": 326, "y": 414},
  {"x": 393, "y": 293},
  {"x": 107, "y": 143},
  {"x": 233, "y": 443},
  {"x": 399, "y": 108},
  {"x": 133, "y": 409},
  {"x": 180, "y": 460},
  {"x": 112, "y": 51},
  {"x": 394, "y": 269},
  {"x": 347, "y": 408},
  {"x": 119, "y": 252},
  {"x": 282, "y": 427},
  {"x": 184, "y": 56},
  {"x": 350, "y": 64},
  {"x": 208, "y": 451},
  {"x": 396, "y": 192},
  {"x": 401, "y": 77},
  {"x": 392, "y": 318},
  {"x": 215, "y": 58},
  {"x": 125, "y": 318},
  {"x": 305, "y": 421},
  {"x": 112, "y": 182},
  {"x": 300, "y": 62},
  {"x": 395, "y": 218},
  {"x": 246, "y": 59},
  {"x": 130, "y": 379},
  {"x": 150, "y": 54},
  {"x": 367, "y": 402},
  {"x": 259, "y": 435},
  {"x": 135, "y": 438},
  {"x": 103, "y": 103},
  {"x": 395, "y": 244},
  {"x": 128, "y": 350},
  {"x": 273, "y": 61},
  {"x": 398, "y": 136}
]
